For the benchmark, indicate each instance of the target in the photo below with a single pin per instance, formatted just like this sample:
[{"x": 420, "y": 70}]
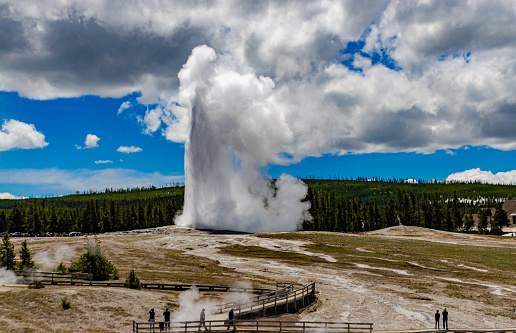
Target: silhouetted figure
[
  {"x": 437, "y": 317},
  {"x": 202, "y": 320},
  {"x": 445, "y": 319},
  {"x": 152, "y": 316},
  {"x": 230, "y": 319},
  {"x": 166, "y": 314}
]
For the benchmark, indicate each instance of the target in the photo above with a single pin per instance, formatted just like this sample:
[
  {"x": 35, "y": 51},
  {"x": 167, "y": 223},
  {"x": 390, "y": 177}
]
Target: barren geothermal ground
[{"x": 395, "y": 278}]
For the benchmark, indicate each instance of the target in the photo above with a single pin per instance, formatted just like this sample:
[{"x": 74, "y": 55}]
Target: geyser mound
[{"x": 236, "y": 128}]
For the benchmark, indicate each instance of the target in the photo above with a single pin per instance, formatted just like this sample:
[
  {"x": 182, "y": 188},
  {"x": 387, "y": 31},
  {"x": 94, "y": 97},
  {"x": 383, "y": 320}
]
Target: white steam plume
[
  {"x": 236, "y": 128},
  {"x": 190, "y": 304},
  {"x": 190, "y": 307},
  {"x": 48, "y": 261},
  {"x": 7, "y": 277}
]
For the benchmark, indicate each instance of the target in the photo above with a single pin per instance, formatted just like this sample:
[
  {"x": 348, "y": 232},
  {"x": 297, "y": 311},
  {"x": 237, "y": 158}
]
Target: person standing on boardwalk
[
  {"x": 437, "y": 317},
  {"x": 445, "y": 319},
  {"x": 202, "y": 320},
  {"x": 166, "y": 314},
  {"x": 230, "y": 319},
  {"x": 152, "y": 315}
]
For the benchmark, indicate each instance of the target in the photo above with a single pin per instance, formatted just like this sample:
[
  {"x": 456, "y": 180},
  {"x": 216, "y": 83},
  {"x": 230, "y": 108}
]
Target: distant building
[{"x": 510, "y": 207}]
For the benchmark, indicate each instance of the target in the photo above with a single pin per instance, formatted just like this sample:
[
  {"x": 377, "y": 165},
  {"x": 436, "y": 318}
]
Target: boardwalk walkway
[{"x": 286, "y": 298}]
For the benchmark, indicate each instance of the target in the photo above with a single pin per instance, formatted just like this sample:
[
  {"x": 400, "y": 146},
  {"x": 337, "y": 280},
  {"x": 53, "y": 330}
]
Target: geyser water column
[{"x": 236, "y": 128}]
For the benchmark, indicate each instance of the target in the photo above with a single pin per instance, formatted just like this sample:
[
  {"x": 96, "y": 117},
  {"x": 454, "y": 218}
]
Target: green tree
[
  {"x": 93, "y": 261},
  {"x": 7, "y": 255},
  {"x": 132, "y": 281},
  {"x": 482, "y": 221},
  {"x": 468, "y": 222},
  {"x": 499, "y": 220},
  {"x": 3, "y": 221},
  {"x": 26, "y": 261}
]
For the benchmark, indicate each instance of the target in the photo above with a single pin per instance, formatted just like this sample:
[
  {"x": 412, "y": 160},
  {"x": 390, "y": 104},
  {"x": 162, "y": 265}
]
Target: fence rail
[
  {"x": 458, "y": 330},
  {"x": 281, "y": 290},
  {"x": 86, "y": 279},
  {"x": 54, "y": 277},
  {"x": 255, "y": 326}
]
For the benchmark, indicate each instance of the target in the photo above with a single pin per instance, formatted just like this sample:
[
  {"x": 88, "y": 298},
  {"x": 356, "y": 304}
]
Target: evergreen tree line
[
  {"x": 343, "y": 214},
  {"x": 92, "y": 216},
  {"x": 330, "y": 212}
]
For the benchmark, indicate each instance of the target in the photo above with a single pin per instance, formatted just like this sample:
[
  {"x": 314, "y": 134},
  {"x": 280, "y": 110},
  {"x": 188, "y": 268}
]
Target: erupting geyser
[{"x": 236, "y": 128}]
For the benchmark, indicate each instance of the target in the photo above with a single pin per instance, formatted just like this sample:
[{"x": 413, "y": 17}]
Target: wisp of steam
[{"x": 236, "y": 130}]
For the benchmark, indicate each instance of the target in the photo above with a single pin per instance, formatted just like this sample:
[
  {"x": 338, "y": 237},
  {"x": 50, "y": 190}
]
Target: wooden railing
[
  {"x": 54, "y": 277},
  {"x": 255, "y": 326},
  {"x": 281, "y": 297},
  {"x": 459, "y": 330},
  {"x": 281, "y": 290}
]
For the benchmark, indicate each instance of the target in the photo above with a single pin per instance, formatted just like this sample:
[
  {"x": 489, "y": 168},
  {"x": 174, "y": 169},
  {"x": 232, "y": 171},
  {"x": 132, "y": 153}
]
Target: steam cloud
[
  {"x": 46, "y": 261},
  {"x": 190, "y": 307},
  {"x": 190, "y": 303},
  {"x": 236, "y": 129},
  {"x": 7, "y": 277}
]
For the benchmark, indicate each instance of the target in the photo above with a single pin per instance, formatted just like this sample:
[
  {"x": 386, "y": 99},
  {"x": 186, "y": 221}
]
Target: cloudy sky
[{"x": 406, "y": 89}]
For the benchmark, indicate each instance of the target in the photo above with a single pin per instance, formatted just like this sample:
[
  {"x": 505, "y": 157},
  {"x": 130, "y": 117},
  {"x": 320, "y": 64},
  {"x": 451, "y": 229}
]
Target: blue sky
[{"x": 421, "y": 90}]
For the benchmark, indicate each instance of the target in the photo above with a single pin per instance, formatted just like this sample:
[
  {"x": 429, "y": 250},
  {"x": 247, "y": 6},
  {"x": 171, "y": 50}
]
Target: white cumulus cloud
[
  {"x": 152, "y": 120},
  {"x": 10, "y": 196},
  {"x": 91, "y": 141},
  {"x": 16, "y": 134},
  {"x": 433, "y": 75},
  {"x": 508, "y": 177},
  {"x": 128, "y": 150}
]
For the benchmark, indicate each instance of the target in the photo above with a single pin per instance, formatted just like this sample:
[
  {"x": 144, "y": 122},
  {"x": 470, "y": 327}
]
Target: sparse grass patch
[
  {"x": 36, "y": 285},
  {"x": 65, "y": 304},
  {"x": 431, "y": 258},
  {"x": 260, "y": 252}
]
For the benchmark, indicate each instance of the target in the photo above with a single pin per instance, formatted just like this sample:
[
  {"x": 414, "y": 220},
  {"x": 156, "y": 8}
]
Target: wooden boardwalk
[
  {"x": 283, "y": 300},
  {"x": 286, "y": 298}
]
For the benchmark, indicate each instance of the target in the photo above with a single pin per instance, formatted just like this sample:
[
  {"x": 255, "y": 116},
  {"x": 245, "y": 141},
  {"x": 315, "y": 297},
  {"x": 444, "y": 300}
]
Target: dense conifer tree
[
  {"x": 26, "y": 261},
  {"x": 7, "y": 255}
]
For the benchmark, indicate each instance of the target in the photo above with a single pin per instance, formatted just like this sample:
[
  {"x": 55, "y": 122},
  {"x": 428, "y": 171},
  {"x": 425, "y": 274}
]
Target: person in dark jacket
[
  {"x": 166, "y": 315},
  {"x": 230, "y": 319},
  {"x": 445, "y": 319},
  {"x": 152, "y": 316},
  {"x": 437, "y": 317},
  {"x": 202, "y": 320}
]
